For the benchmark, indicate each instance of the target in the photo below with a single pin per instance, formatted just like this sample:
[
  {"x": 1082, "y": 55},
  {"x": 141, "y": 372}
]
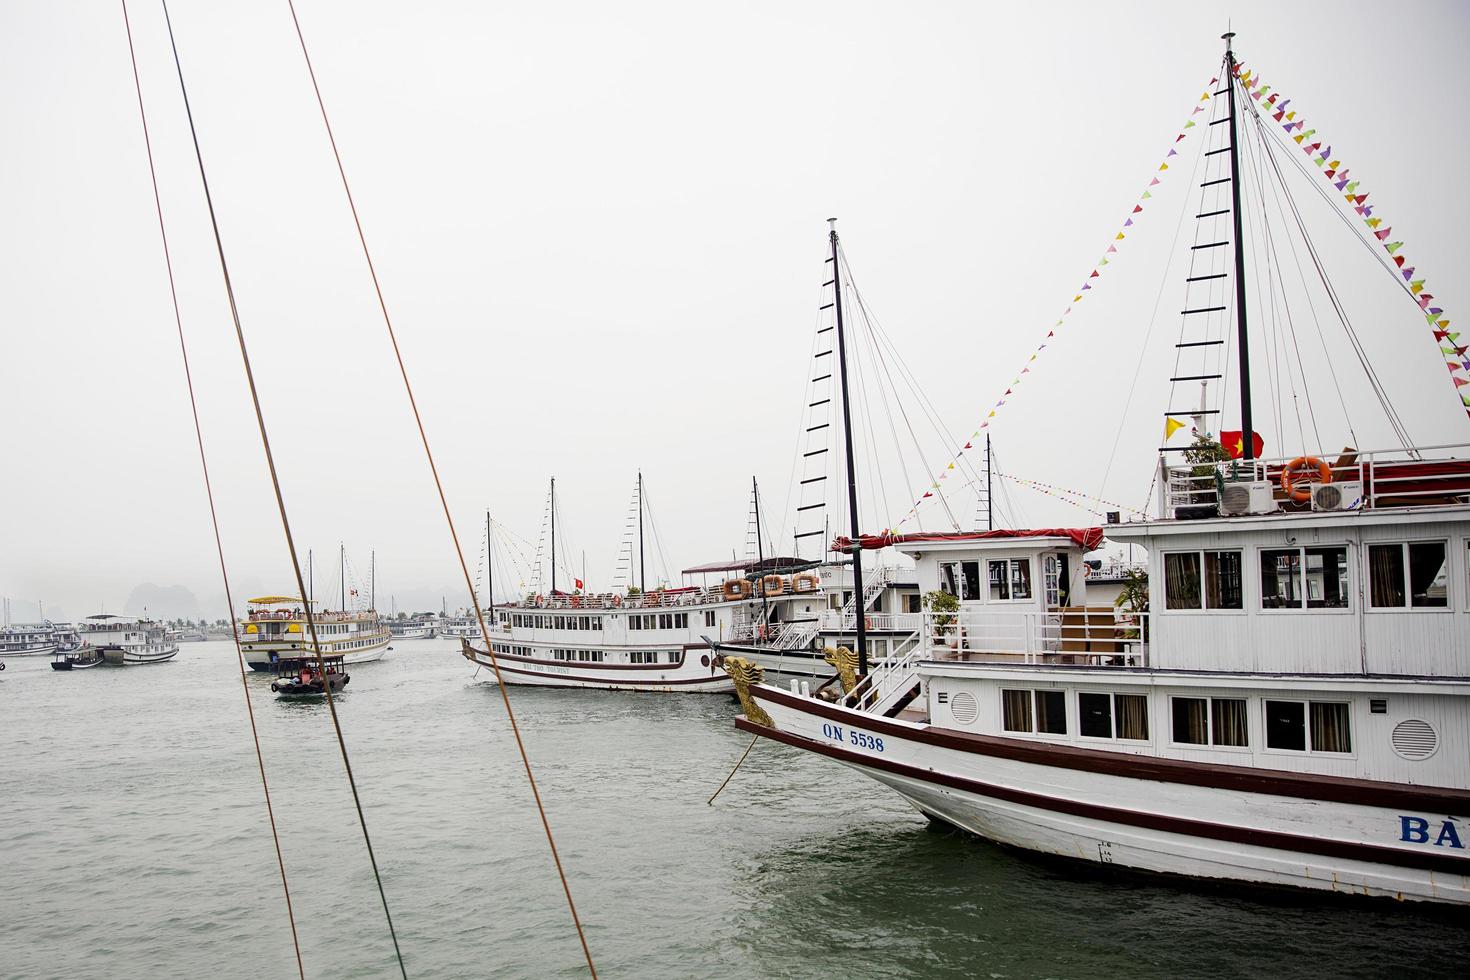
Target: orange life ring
[
  {"x": 867, "y": 622},
  {"x": 736, "y": 588},
  {"x": 1294, "y": 476}
]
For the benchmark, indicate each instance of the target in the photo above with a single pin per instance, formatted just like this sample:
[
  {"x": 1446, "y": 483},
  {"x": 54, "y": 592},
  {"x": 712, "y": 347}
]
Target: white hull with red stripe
[{"x": 679, "y": 669}]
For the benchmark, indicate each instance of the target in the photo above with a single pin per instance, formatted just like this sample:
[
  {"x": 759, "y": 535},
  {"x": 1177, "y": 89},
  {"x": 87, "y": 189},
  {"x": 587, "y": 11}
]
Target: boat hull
[
  {"x": 43, "y": 650},
  {"x": 260, "y": 660},
  {"x": 127, "y": 657},
  {"x": 78, "y": 663},
  {"x": 695, "y": 673},
  {"x": 1311, "y": 833}
]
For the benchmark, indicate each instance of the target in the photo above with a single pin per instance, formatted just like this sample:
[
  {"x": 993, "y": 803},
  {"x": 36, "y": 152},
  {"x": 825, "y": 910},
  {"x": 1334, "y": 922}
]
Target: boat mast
[
  {"x": 852, "y": 505},
  {"x": 989, "y": 504},
  {"x": 310, "y": 578},
  {"x": 489, "y": 567},
  {"x": 553, "y": 537},
  {"x": 1247, "y": 434},
  {"x": 642, "y": 584},
  {"x": 342, "y": 571},
  {"x": 373, "y": 579},
  {"x": 760, "y": 558}
]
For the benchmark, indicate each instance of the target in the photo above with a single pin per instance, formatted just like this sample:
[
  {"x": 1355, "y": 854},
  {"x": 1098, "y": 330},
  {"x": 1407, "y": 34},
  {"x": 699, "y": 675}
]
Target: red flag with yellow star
[{"x": 1234, "y": 442}]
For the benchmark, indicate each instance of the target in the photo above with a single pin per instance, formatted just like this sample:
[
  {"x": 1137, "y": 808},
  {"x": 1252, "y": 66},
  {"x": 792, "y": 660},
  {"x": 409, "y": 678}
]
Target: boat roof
[
  {"x": 1086, "y": 538},
  {"x": 275, "y": 600}
]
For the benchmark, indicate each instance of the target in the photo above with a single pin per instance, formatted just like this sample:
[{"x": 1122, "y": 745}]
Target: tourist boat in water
[
  {"x": 29, "y": 640},
  {"x": 78, "y": 658},
  {"x": 304, "y": 677},
  {"x": 125, "y": 641},
  {"x": 276, "y": 626},
  {"x": 1288, "y": 703},
  {"x": 410, "y": 629}
]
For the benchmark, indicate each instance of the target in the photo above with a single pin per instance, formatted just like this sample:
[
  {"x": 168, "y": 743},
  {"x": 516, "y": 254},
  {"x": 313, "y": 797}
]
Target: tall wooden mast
[
  {"x": 852, "y": 502},
  {"x": 1247, "y": 433}
]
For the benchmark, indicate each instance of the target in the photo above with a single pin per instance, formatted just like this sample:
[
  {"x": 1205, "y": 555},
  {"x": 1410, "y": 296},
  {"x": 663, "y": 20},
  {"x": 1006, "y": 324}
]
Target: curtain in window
[
  {"x": 1181, "y": 580},
  {"x": 1427, "y": 574},
  {"x": 1130, "y": 712},
  {"x": 1222, "y": 580},
  {"x": 1021, "y": 578},
  {"x": 1386, "y": 575},
  {"x": 1228, "y": 716},
  {"x": 1016, "y": 710},
  {"x": 1051, "y": 712},
  {"x": 1191, "y": 721},
  {"x": 1330, "y": 727}
]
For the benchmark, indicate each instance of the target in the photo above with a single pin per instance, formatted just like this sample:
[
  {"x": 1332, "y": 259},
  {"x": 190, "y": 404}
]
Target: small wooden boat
[
  {"x": 303, "y": 677},
  {"x": 81, "y": 658}
]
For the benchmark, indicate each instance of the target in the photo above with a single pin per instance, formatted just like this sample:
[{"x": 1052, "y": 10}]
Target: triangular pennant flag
[
  {"x": 951, "y": 466},
  {"x": 1171, "y": 426},
  {"x": 1381, "y": 235},
  {"x": 1086, "y": 286},
  {"x": 1393, "y": 247},
  {"x": 1154, "y": 182},
  {"x": 1119, "y": 237},
  {"x": 1189, "y": 124},
  {"x": 1398, "y": 260},
  {"x": 1128, "y": 223},
  {"x": 1137, "y": 208},
  {"x": 1112, "y": 248},
  {"x": 1176, "y": 139},
  {"x": 1416, "y": 286},
  {"x": 1372, "y": 222},
  {"x": 1163, "y": 166},
  {"x": 1146, "y": 195},
  {"x": 1299, "y": 137},
  {"x": 1102, "y": 261},
  {"x": 1094, "y": 274},
  {"x": 1172, "y": 152}
]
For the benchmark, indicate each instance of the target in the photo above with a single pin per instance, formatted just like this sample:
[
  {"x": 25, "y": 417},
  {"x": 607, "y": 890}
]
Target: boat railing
[
  {"x": 834, "y": 621},
  {"x": 662, "y": 599},
  {"x": 1369, "y": 479},
  {"x": 1103, "y": 636}
]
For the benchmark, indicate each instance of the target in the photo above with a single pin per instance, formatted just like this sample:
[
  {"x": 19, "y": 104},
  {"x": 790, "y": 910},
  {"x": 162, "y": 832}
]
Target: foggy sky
[{"x": 600, "y": 230}]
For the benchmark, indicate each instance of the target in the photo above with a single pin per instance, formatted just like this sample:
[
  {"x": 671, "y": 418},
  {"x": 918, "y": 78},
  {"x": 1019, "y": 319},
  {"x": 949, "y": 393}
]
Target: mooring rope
[
  {"x": 280, "y": 498},
  {"x": 209, "y": 492},
  {"x": 443, "y": 500},
  {"x": 711, "y": 800}
]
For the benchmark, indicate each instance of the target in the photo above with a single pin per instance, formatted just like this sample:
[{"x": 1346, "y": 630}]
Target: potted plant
[
  {"x": 945, "y": 608},
  {"x": 1133, "y": 600}
]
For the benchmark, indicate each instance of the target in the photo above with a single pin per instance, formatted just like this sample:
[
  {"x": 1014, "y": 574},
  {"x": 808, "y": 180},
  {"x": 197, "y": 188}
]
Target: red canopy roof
[{"x": 1086, "y": 538}]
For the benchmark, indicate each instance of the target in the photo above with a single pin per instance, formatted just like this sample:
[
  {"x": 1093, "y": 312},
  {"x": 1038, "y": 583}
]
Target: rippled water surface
[{"x": 135, "y": 844}]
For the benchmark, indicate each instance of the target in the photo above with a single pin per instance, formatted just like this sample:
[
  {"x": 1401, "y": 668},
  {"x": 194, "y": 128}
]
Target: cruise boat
[
  {"x": 68, "y": 637},
  {"x": 33, "y": 640},
  {"x": 275, "y": 626},
  {"x": 410, "y": 629},
  {"x": 125, "y": 641},
  {"x": 1289, "y": 702},
  {"x": 459, "y": 628}
]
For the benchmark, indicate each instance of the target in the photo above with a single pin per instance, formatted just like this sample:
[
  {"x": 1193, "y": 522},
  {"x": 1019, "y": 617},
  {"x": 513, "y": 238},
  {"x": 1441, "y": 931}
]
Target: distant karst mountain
[{"x": 162, "y": 602}]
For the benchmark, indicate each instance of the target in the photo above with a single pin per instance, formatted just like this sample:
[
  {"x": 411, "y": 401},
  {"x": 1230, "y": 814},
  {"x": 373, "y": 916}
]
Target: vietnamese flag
[
  {"x": 1234, "y": 443},
  {"x": 578, "y": 583}
]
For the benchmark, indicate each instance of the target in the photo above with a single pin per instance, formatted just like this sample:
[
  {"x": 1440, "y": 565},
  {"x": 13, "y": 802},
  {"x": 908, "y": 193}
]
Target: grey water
[{"x": 134, "y": 843}]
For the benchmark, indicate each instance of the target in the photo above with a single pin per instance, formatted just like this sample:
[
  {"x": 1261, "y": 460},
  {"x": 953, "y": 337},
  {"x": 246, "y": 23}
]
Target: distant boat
[
  {"x": 410, "y": 629},
  {"x": 124, "y": 641},
  {"x": 79, "y": 658},
  {"x": 276, "y": 628},
  {"x": 32, "y": 640}
]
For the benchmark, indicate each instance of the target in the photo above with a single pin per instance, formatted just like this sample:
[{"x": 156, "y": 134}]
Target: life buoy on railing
[
  {"x": 736, "y": 588},
  {"x": 617, "y": 601},
  {"x": 867, "y": 622},
  {"x": 576, "y": 602},
  {"x": 805, "y": 582},
  {"x": 772, "y": 585},
  {"x": 1295, "y": 476}
]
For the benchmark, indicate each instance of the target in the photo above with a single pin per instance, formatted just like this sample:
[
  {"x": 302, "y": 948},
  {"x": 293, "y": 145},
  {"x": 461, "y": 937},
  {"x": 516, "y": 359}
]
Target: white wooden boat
[{"x": 125, "y": 641}]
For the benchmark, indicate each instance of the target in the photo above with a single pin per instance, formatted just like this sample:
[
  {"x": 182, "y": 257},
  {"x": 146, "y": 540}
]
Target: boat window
[
  {"x": 1010, "y": 579},
  {"x": 1048, "y": 710},
  {"x": 1203, "y": 579},
  {"x": 709, "y": 617},
  {"x": 970, "y": 580},
  {"x": 949, "y": 578},
  {"x": 1016, "y": 710},
  {"x": 1130, "y": 716},
  {"x": 1286, "y": 725},
  {"x": 1316, "y": 578},
  {"x": 1095, "y": 715},
  {"x": 1411, "y": 574},
  {"x": 1330, "y": 727},
  {"x": 1209, "y": 721}
]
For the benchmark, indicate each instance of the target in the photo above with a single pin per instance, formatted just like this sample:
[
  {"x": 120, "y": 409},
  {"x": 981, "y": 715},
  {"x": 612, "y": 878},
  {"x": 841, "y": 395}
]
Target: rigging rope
[
  {"x": 276, "y": 484},
  {"x": 444, "y": 502},
  {"x": 209, "y": 493}
]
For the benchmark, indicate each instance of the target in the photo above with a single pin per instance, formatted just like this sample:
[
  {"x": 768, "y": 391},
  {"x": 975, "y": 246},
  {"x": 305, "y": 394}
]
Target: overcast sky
[{"x": 600, "y": 229}]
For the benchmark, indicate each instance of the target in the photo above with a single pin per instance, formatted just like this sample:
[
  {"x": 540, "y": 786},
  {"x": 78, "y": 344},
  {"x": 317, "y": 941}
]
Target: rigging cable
[
  {"x": 276, "y": 484},
  {"x": 209, "y": 493},
  {"x": 443, "y": 500}
]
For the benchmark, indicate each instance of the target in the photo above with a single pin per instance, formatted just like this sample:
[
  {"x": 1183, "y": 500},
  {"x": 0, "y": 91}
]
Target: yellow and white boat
[{"x": 275, "y": 627}]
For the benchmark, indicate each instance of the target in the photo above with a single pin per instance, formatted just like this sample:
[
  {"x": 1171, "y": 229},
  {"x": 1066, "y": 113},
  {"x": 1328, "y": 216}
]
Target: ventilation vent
[
  {"x": 1415, "y": 739},
  {"x": 964, "y": 707}
]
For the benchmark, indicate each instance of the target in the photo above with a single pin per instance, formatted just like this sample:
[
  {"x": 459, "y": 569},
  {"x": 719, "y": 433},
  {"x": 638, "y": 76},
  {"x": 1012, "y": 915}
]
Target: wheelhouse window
[
  {"x": 1293, "y": 725},
  {"x": 1209, "y": 721},
  {"x": 1010, "y": 579},
  {"x": 1408, "y": 575},
  {"x": 1312, "y": 578},
  {"x": 1102, "y": 715},
  {"x": 1043, "y": 712},
  {"x": 960, "y": 579},
  {"x": 1202, "y": 580}
]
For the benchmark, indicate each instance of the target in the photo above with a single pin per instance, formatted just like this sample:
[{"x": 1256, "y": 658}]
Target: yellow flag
[{"x": 1171, "y": 426}]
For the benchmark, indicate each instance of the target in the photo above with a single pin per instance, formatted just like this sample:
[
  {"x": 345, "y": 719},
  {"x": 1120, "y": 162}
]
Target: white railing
[
  {"x": 890, "y": 679},
  {"x": 1419, "y": 476},
  {"x": 833, "y": 621},
  {"x": 1073, "y": 635},
  {"x": 875, "y": 583}
]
